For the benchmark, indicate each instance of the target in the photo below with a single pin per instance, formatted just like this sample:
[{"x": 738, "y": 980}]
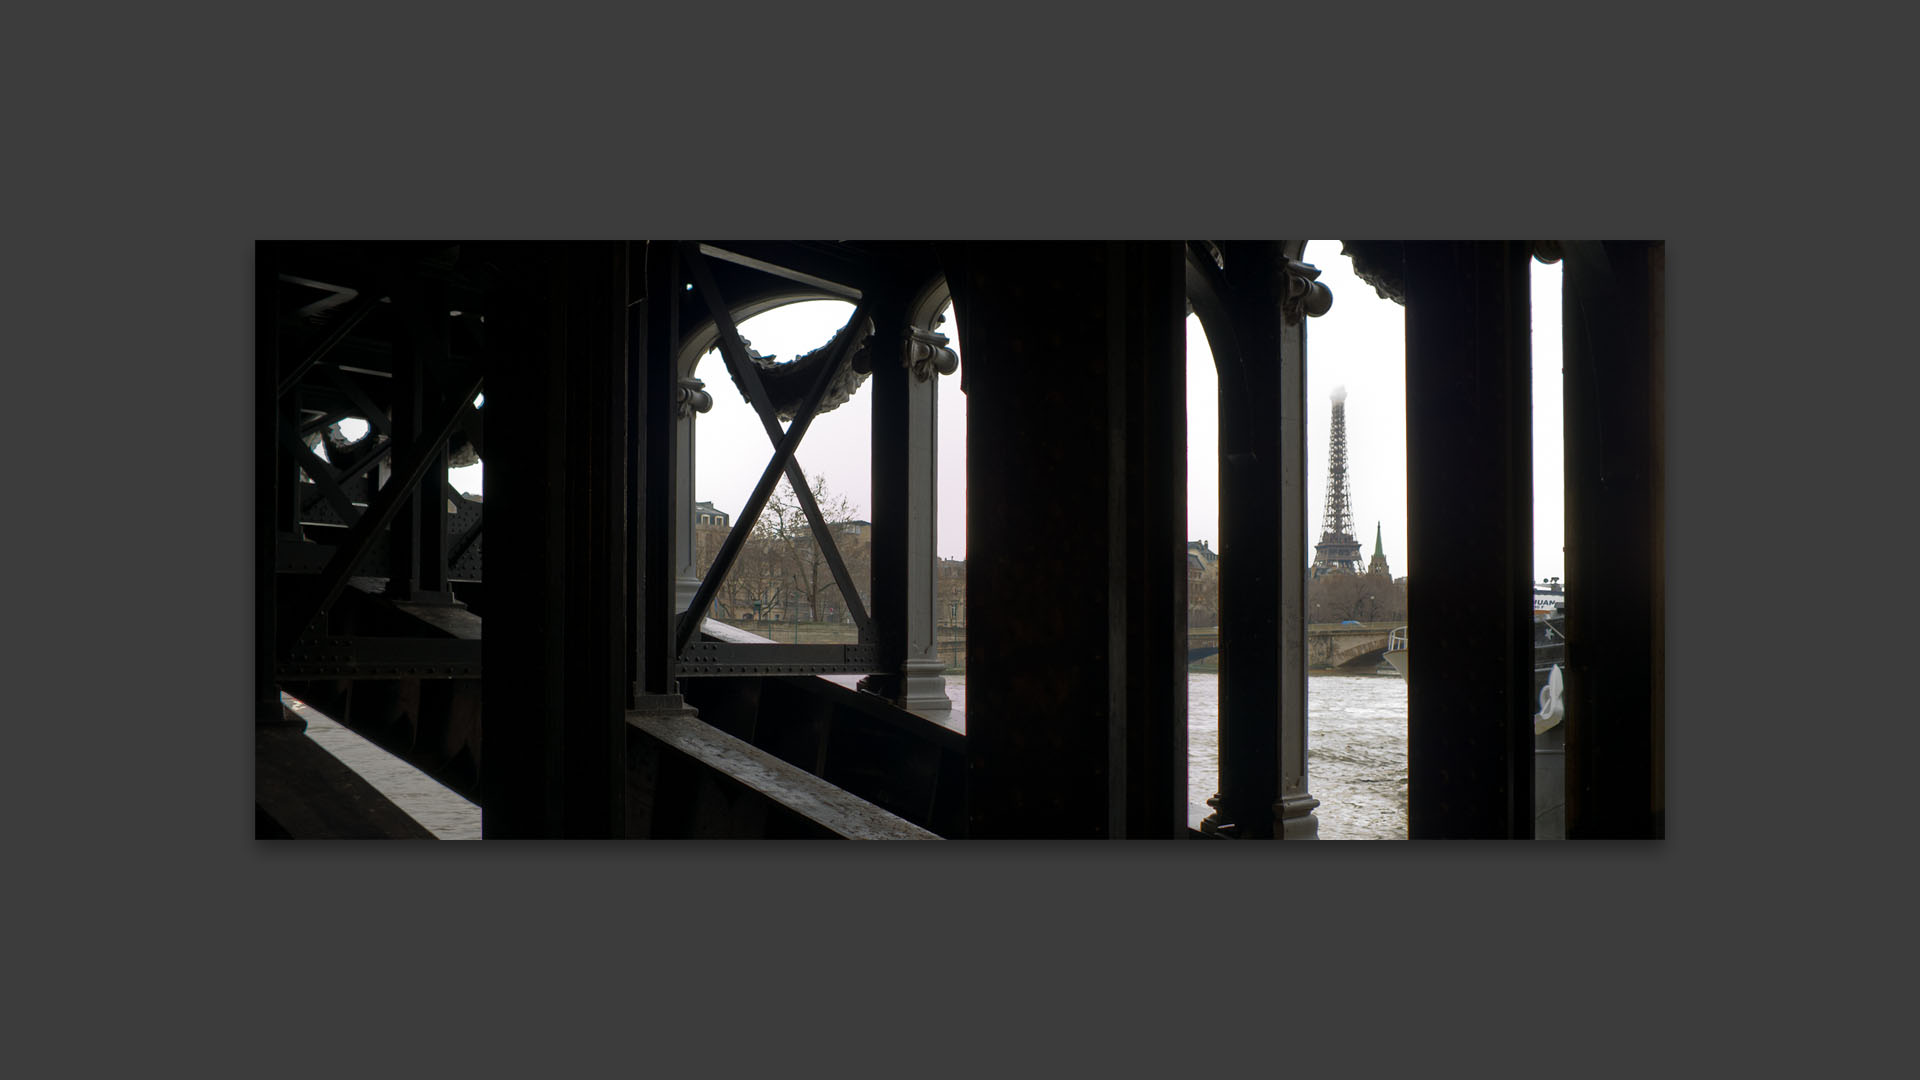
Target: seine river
[{"x": 1356, "y": 758}]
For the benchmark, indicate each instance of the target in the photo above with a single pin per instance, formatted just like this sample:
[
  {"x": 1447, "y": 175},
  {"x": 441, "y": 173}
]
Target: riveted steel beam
[
  {"x": 749, "y": 255},
  {"x": 469, "y": 538},
  {"x": 380, "y": 658},
  {"x": 732, "y": 658}
]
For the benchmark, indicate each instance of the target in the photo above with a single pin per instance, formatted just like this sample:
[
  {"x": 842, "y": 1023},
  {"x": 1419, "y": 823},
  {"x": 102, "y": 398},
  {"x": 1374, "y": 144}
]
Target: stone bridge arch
[{"x": 1355, "y": 647}]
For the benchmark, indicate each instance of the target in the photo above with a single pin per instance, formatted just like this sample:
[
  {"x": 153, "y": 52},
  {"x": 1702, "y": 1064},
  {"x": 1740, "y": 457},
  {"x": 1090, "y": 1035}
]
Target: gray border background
[{"x": 157, "y": 147}]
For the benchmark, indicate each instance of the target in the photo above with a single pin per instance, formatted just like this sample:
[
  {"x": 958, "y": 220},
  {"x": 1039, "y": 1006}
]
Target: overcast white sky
[{"x": 1359, "y": 344}]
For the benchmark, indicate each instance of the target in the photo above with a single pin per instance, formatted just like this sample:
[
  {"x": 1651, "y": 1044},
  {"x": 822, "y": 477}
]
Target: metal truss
[
  {"x": 374, "y": 327},
  {"x": 696, "y": 658}
]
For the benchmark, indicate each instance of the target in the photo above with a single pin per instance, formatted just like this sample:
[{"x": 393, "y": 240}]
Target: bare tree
[
  {"x": 782, "y": 568},
  {"x": 808, "y": 574},
  {"x": 752, "y": 586},
  {"x": 1340, "y": 596}
]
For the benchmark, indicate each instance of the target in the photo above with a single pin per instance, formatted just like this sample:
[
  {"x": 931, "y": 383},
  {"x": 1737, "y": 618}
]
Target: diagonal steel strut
[
  {"x": 343, "y": 324},
  {"x": 409, "y": 468},
  {"x": 375, "y": 416},
  {"x": 320, "y": 473},
  {"x": 748, "y": 374},
  {"x": 782, "y": 456}
]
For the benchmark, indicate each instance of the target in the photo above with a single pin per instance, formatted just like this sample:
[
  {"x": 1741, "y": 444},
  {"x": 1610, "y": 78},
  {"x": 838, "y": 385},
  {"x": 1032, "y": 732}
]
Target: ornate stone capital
[
  {"x": 692, "y": 397},
  {"x": 927, "y": 354},
  {"x": 1305, "y": 295}
]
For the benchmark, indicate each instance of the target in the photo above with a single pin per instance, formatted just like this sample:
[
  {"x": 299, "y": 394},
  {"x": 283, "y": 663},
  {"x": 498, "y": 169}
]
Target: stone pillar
[
  {"x": 1263, "y": 552},
  {"x": 905, "y": 508},
  {"x": 693, "y": 399},
  {"x": 1293, "y": 811},
  {"x": 1470, "y": 698}
]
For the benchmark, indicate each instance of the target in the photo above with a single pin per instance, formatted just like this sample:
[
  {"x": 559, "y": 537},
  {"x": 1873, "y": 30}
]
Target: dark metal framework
[
  {"x": 383, "y": 351},
  {"x": 772, "y": 659},
  {"x": 371, "y": 595}
]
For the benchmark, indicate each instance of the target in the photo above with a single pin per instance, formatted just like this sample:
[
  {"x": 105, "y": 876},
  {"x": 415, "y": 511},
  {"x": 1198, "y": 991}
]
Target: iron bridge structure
[{"x": 546, "y": 650}]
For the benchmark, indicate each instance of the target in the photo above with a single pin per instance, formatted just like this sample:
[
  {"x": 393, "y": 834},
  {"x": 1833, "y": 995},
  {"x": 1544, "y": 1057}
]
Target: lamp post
[{"x": 953, "y": 629}]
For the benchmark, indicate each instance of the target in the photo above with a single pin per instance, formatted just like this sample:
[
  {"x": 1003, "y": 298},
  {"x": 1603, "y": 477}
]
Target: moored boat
[
  {"x": 1549, "y": 687},
  {"x": 1396, "y": 653}
]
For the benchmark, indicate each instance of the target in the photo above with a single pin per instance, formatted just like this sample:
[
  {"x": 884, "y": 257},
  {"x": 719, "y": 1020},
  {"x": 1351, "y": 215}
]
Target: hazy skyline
[
  {"x": 1358, "y": 344},
  {"x": 1361, "y": 344}
]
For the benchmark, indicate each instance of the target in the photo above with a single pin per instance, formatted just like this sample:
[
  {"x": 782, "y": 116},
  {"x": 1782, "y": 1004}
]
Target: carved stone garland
[{"x": 787, "y": 383}]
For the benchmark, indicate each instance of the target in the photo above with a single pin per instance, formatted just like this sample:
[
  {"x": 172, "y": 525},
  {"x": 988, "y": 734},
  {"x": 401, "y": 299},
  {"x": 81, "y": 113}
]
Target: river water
[
  {"x": 1356, "y": 750},
  {"x": 1356, "y": 758}
]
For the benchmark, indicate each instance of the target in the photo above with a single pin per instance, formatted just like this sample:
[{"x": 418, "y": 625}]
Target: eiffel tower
[{"x": 1337, "y": 549}]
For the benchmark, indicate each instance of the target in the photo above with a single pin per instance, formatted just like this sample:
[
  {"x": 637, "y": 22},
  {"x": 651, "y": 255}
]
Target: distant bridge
[
  {"x": 1355, "y": 646},
  {"x": 1202, "y": 642}
]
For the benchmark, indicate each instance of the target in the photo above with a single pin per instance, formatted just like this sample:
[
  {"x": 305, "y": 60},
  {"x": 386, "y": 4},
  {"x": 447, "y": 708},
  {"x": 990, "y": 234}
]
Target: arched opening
[
  {"x": 1076, "y": 532},
  {"x": 1356, "y": 504},
  {"x": 781, "y": 585},
  {"x": 1203, "y": 565}
]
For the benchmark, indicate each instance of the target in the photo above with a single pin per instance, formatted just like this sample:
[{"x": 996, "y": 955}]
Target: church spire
[{"x": 1378, "y": 564}]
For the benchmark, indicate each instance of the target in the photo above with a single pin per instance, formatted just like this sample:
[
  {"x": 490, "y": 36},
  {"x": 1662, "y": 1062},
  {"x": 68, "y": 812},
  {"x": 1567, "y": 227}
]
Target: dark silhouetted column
[
  {"x": 1470, "y": 510},
  {"x": 1263, "y": 706},
  {"x": 1614, "y": 334},
  {"x": 908, "y": 363},
  {"x": 555, "y": 644},
  {"x": 1076, "y": 514}
]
